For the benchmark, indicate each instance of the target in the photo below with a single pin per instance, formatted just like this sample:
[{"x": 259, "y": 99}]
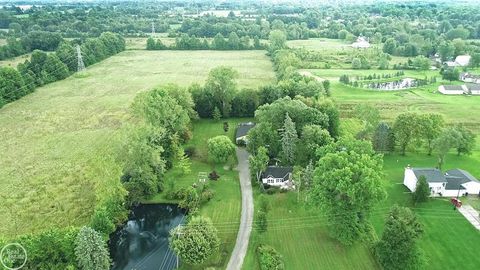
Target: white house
[
  {"x": 452, "y": 89},
  {"x": 278, "y": 177},
  {"x": 453, "y": 183},
  {"x": 469, "y": 78},
  {"x": 361, "y": 43},
  {"x": 242, "y": 131}
]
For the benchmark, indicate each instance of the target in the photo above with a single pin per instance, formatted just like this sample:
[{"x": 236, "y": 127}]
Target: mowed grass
[
  {"x": 449, "y": 240},
  {"x": 224, "y": 209},
  {"x": 300, "y": 234},
  {"x": 59, "y": 144}
]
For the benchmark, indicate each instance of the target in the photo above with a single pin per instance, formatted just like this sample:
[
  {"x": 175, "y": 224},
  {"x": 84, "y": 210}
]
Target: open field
[
  {"x": 224, "y": 208},
  {"x": 13, "y": 62},
  {"x": 455, "y": 109},
  {"x": 59, "y": 144}
]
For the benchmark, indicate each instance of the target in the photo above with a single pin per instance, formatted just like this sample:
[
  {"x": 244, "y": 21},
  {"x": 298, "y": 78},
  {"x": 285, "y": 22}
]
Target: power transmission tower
[
  {"x": 81, "y": 65},
  {"x": 153, "y": 29}
]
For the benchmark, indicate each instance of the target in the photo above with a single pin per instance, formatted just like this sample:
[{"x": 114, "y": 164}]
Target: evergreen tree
[
  {"x": 422, "y": 190},
  {"x": 289, "y": 140},
  {"x": 397, "y": 249}
]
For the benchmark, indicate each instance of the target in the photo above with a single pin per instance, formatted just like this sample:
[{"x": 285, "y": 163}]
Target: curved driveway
[{"x": 241, "y": 245}]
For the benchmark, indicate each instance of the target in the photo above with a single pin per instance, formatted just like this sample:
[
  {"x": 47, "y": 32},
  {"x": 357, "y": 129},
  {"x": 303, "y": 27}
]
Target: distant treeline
[
  {"x": 219, "y": 42},
  {"x": 35, "y": 40},
  {"x": 44, "y": 68}
]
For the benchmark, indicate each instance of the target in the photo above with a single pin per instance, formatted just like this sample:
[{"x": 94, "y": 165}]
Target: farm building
[
  {"x": 452, "y": 89},
  {"x": 242, "y": 131},
  {"x": 455, "y": 182},
  {"x": 361, "y": 43},
  {"x": 278, "y": 176}
]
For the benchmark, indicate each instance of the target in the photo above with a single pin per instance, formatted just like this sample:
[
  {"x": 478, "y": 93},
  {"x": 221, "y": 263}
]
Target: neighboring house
[
  {"x": 473, "y": 89},
  {"x": 460, "y": 61},
  {"x": 452, "y": 89},
  {"x": 278, "y": 177},
  {"x": 361, "y": 43},
  {"x": 242, "y": 131},
  {"x": 469, "y": 78},
  {"x": 455, "y": 182}
]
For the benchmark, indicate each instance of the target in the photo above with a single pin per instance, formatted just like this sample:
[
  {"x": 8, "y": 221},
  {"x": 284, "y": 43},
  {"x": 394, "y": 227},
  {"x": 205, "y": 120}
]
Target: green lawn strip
[{"x": 300, "y": 234}]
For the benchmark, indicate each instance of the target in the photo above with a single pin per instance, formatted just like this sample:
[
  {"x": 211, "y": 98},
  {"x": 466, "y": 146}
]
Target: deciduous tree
[
  {"x": 196, "y": 241},
  {"x": 91, "y": 250},
  {"x": 346, "y": 185},
  {"x": 220, "y": 148}
]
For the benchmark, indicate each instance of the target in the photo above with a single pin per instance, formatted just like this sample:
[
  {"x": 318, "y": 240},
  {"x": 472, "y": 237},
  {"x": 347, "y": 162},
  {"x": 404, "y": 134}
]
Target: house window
[{"x": 270, "y": 181}]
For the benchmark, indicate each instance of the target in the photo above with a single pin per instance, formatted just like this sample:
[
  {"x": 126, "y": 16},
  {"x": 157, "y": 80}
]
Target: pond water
[
  {"x": 142, "y": 242},
  {"x": 393, "y": 85}
]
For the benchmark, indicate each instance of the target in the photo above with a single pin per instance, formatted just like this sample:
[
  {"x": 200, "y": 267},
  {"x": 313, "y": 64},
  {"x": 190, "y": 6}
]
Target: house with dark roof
[
  {"x": 452, "y": 89},
  {"x": 278, "y": 176},
  {"x": 453, "y": 183},
  {"x": 242, "y": 131},
  {"x": 469, "y": 77}
]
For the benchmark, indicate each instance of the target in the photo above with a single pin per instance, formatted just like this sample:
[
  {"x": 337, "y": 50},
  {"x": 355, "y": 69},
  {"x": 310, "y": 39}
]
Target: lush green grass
[
  {"x": 455, "y": 109},
  {"x": 59, "y": 144},
  {"x": 300, "y": 234},
  {"x": 224, "y": 208},
  {"x": 446, "y": 231}
]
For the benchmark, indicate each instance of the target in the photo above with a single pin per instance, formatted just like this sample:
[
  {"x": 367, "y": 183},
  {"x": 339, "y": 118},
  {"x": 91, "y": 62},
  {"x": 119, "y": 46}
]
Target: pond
[
  {"x": 142, "y": 242},
  {"x": 393, "y": 85}
]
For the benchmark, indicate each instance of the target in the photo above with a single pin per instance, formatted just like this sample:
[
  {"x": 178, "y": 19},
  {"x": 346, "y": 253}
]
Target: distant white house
[
  {"x": 361, "y": 43},
  {"x": 278, "y": 176},
  {"x": 453, "y": 183},
  {"x": 460, "y": 61},
  {"x": 469, "y": 78},
  {"x": 242, "y": 131},
  {"x": 452, "y": 89}
]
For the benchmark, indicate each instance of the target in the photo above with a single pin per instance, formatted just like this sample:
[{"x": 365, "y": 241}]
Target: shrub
[
  {"x": 190, "y": 151},
  {"x": 207, "y": 195},
  {"x": 269, "y": 258},
  {"x": 213, "y": 175}
]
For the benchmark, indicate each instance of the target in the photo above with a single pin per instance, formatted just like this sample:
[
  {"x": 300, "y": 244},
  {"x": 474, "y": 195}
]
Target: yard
[
  {"x": 224, "y": 208},
  {"x": 59, "y": 144}
]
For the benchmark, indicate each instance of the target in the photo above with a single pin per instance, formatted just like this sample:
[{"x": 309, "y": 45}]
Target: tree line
[
  {"x": 219, "y": 42},
  {"x": 44, "y": 68}
]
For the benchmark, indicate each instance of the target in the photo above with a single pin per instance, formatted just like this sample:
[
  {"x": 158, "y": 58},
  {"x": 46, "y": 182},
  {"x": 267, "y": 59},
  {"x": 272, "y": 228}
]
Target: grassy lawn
[
  {"x": 446, "y": 231},
  {"x": 224, "y": 208},
  {"x": 300, "y": 234},
  {"x": 59, "y": 144}
]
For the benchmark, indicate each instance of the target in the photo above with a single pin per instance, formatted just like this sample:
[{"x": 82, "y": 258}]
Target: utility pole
[
  {"x": 178, "y": 232},
  {"x": 153, "y": 29},
  {"x": 81, "y": 65}
]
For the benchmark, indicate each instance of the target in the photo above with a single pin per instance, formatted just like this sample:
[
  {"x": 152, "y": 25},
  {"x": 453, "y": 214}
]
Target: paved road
[
  {"x": 241, "y": 245},
  {"x": 471, "y": 215}
]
